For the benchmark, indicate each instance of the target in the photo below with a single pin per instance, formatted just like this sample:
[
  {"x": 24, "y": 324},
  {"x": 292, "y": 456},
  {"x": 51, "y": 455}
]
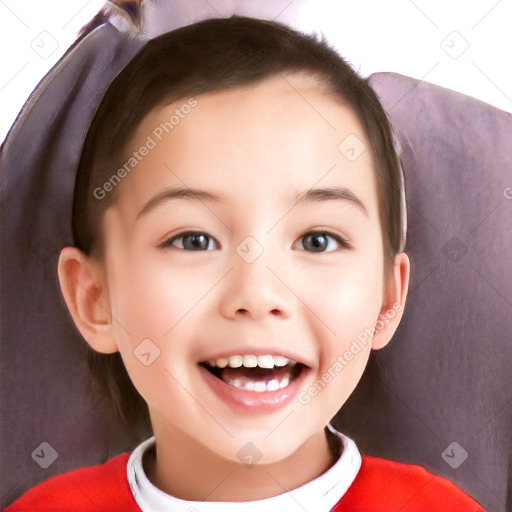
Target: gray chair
[{"x": 444, "y": 378}]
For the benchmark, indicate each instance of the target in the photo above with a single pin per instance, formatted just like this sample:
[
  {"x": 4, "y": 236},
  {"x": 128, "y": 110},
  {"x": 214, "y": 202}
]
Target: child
[{"x": 262, "y": 152}]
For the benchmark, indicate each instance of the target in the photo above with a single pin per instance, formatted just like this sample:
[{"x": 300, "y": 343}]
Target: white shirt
[{"x": 318, "y": 495}]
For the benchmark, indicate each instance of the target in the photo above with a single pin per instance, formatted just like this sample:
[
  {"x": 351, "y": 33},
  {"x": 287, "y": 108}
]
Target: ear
[
  {"x": 393, "y": 303},
  {"x": 83, "y": 284}
]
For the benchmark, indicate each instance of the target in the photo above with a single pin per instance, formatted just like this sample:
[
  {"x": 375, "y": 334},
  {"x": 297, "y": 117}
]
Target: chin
[{"x": 258, "y": 447}]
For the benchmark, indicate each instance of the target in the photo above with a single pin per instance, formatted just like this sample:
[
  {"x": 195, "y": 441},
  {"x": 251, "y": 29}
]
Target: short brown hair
[{"x": 215, "y": 55}]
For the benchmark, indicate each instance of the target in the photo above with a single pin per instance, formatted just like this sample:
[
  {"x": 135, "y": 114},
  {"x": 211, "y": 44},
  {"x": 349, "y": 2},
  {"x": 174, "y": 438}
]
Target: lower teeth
[{"x": 259, "y": 386}]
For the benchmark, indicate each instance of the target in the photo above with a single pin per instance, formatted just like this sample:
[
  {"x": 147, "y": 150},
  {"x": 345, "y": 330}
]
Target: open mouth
[{"x": 255, "y": 373}]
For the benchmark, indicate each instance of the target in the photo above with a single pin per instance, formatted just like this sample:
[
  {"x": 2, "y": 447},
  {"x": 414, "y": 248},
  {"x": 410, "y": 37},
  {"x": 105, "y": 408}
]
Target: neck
[{"x": 187, "y": 470}]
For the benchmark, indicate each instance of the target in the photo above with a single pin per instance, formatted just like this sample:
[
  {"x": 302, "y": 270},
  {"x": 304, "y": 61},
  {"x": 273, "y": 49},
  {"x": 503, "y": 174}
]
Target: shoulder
[
  {"x": 384, "y": 484},
  {"x": 101, "y": 487}
]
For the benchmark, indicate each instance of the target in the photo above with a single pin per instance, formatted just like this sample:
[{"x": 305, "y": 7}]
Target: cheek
[
  {"x": 348, "y": 299},
  {"x": 152, "y": 310},
  {"x": 141, "y": 300},
  {"x": 348, "y": 303},
  {"x": 149, "y": 299}
]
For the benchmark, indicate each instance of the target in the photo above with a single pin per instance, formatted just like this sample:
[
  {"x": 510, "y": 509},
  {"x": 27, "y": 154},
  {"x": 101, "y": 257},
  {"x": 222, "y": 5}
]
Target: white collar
[{"x": 319, "y": 495}]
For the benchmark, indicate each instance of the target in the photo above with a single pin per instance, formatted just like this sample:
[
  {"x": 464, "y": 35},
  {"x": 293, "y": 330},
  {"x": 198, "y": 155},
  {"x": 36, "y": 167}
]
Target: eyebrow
[
  {"x": 178, "y": 193},
  {"x": 332, "y": 194},
  {"x": 312, "y": 195}
]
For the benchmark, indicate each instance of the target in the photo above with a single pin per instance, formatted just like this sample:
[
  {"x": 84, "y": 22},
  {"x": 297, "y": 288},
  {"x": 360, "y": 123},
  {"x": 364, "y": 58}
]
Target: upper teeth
[{"x": 250, "y": 361}]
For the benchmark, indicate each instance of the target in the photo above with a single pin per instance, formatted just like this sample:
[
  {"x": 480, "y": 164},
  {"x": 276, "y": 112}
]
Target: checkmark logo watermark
[
  {"x": 454, "y": 45},
  {"x": 249, "y": 249},
  {"x": 454, "y": 455},
  {"x": 351, "y": 147},
  {"x": 44, "y": 45},
  {"x": 249, "y": 455},
  {"x": 146, "y": 352},
  {"x": 454, "y": 249},
  {"x": 45, "y": 455}
]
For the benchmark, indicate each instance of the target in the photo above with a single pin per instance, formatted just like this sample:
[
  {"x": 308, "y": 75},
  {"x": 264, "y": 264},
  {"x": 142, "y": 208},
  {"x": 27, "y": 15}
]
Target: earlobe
[
  {"x": 83, "y": 285},
  {"x": 394, "y": 303}
]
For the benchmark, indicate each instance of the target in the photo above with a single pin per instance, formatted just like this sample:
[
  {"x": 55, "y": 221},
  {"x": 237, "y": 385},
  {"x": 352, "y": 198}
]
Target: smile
[{"x": 255, "y": 373}]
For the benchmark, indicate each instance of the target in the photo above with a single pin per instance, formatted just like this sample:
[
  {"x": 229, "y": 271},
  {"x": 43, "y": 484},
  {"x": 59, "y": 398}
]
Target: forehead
[{"x": 273, "y": 139}]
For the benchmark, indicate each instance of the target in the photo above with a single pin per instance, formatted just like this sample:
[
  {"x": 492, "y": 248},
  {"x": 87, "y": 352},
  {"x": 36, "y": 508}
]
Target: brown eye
[{"x": 190, "y": 241}]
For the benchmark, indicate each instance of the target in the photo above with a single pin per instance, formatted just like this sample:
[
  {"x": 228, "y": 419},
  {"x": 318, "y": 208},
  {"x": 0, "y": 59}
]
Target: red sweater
[{"x": 380, "y": 486}]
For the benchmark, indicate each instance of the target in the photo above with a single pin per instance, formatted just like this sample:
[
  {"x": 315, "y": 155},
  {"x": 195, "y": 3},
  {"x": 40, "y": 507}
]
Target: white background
[{"x": 423, "y": 39}]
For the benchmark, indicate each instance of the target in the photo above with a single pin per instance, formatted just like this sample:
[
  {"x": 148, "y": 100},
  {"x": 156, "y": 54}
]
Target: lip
[{"x": 253, "y": 402}]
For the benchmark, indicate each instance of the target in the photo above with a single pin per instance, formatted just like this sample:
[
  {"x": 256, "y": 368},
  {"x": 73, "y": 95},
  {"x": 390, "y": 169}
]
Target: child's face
[{"x": 258, "y": 285}]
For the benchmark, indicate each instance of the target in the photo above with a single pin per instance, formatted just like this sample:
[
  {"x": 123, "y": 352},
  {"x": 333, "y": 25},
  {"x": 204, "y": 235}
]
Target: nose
[{"x": 257, "y": 288}]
